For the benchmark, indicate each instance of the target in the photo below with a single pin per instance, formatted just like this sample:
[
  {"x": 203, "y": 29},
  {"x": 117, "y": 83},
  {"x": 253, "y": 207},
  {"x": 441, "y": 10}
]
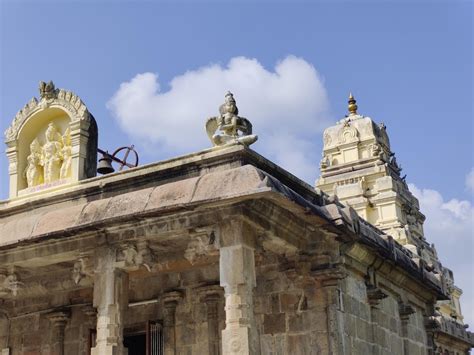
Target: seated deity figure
[
  {"x": 33, "y": 171},
  {"x": 228, "y": 127},
  {"x": 51, "y": 158},
  {"x": 66, "y": 155}
]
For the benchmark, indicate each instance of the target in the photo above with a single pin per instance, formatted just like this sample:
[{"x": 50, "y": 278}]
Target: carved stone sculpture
[
  {"x": 81, "y": 269},
  {"x": 133, "y": 256},
  {"x": 66, "y": 155},
  {"x": 10, "y": 284},
  {"x": 228, "y": 127},
  {"x": 47, "y": 90},
  {"x": 34, "y": 170},
  {"x": 51, "y": 159}
]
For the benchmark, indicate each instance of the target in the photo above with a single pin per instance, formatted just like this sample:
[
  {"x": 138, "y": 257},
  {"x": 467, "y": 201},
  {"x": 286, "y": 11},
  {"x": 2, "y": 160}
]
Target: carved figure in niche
[
  {"x": 34, "y": 170},
  {"x": 376, "y": 150},
  {"x": 232, "y": 127},
  {"x": 51, "y": 159},
  {"x": 66, "y": 155}
]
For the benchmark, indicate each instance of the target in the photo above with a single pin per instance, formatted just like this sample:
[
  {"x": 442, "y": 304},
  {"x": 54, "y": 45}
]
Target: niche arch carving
[
  {"x": 51, "y": 141},
  {"x": 348, "y": 134}
]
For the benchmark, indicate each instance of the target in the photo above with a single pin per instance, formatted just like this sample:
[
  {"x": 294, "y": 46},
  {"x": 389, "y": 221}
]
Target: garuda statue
[{"x": 228, "y": 127}]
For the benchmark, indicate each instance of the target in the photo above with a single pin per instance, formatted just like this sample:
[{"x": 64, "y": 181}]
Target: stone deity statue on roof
[{"x": 228, "y": 127}]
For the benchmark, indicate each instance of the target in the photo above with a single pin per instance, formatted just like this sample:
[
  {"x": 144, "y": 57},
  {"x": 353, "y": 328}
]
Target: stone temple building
[{"x": 215, "y": 252}]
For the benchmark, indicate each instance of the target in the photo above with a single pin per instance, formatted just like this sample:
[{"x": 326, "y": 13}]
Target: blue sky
[{"x": 409, "y": 64}]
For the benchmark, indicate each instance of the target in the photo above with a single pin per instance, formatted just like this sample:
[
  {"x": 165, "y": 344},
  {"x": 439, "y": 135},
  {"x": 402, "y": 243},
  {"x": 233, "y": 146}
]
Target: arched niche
[{"x": 37, "y": 164}]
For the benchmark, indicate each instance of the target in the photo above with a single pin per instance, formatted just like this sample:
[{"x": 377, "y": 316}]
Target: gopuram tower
[{"x": 360, "y": 169}]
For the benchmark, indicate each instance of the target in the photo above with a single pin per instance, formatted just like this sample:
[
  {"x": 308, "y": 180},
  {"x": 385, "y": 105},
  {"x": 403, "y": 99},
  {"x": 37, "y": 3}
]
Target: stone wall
[
  {"x": 295, "y": 314},
  {"x": 379, "y": 328},
  {"x": 290, "y": 312}
]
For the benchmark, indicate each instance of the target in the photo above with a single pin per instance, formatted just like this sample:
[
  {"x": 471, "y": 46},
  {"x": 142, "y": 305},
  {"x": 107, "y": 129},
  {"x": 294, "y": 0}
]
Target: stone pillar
[
  {"x": 170, "y": 302},
  {"x": 211, "y": 296},
  {"x": 405, "y": 311},
  {"x": 330, "y": 282},
  {"x": 12, "y": 155},
  {"x": 87, "y": 327},
  {"x": 237, "y": 276},
  {"x": 58, "y": 320},
  {"x": 111, "y": 301},
  {"x": 374, "y": 296}
]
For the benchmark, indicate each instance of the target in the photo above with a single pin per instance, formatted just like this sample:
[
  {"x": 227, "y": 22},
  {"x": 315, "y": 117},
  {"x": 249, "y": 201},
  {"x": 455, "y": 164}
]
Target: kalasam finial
[{"x": 352, "y": 105}]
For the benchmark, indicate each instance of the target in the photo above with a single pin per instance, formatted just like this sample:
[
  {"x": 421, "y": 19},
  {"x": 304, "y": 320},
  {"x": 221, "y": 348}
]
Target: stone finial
[
  {"x": 228, "y": 127},
  {"x": 47, "y": 90},
  {"x": 352, "y": 105}
]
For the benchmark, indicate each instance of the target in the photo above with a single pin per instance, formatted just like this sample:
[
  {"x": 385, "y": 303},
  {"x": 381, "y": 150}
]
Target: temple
[{"x": 216, "y": 252}]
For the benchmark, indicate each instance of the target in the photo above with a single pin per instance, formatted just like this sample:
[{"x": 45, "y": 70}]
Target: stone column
[
  {"x": 58, "y": 321},
  {"x": 237, "y": 276},
  {"x": 211, "y": 296},
  {"x": 87, "y": 326},
  {"x": 405, "y": 310},
  {"x": 170, "y": 302},
  {"x": 330, "y": 282},
  {"x": 374, "y": 296},
  {"x": 12, "y": 155},
  {"x": 111, "y": 301}
]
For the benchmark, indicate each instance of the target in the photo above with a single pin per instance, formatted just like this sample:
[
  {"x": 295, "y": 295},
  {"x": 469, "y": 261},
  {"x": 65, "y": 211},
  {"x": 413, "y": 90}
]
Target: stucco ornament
[
  {"x": 47, "y": 90},
  {"x": 49, "y": 97},
  {"x": 228, "y": 127},
  {"x": 66, "y": 155},
  {"x": 34, "y": 170},
  {"x": 49, "y": 162},
  {"x": 51, "y": 154}
]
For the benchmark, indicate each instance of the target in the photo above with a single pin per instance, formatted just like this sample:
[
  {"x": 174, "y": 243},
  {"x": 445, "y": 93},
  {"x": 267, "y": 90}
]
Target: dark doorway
[{"x": 136, "y": 344}]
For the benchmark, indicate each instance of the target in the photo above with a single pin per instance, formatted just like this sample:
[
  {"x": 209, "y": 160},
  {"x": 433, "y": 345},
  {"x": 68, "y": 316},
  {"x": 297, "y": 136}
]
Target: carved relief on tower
[
  {"x": 327, "y": 139},
  {"x": 348, "y": 134}
]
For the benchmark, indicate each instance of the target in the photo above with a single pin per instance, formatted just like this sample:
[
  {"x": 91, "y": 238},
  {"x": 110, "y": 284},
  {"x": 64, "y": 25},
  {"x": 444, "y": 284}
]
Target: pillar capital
[
  {"x": 210, "y": 293},
  {"x": 171, "y": 299},
  {"x": 59, "y": 318},
  {"x": 236, "y": 231}
]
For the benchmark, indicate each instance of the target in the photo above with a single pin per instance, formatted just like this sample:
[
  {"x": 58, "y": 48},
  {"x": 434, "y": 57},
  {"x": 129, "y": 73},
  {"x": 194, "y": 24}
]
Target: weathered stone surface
[
  {"x": 296, "y": 265},
  {"x": 171, "y": 194},
  {"x": 274, "y": 323}
]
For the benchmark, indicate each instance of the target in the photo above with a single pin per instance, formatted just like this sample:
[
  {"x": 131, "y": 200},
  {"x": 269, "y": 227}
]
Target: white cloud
[
  {"x": 470, "y": 180},
  {"x": 450, "y": 226},
  {"x": 287, "y": 107}
]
